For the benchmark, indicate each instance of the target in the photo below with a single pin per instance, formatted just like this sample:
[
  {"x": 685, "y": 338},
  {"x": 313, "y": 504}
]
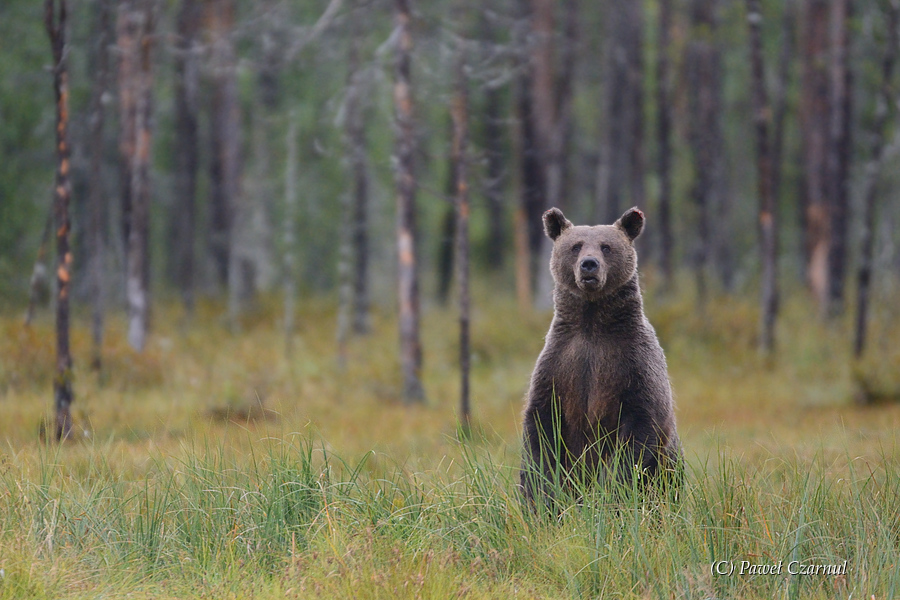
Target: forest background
[{"x": 308, "y": 282}]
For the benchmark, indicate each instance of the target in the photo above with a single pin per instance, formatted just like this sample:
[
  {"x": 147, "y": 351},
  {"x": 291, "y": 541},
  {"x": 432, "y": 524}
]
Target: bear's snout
[
  {"x": 589, "y": 266},
  {"x": 590, "y": 276}
]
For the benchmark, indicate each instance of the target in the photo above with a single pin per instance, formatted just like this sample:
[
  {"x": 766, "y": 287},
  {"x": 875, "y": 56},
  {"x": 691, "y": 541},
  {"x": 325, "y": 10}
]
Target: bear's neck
[{"x": 621, "y": 310}]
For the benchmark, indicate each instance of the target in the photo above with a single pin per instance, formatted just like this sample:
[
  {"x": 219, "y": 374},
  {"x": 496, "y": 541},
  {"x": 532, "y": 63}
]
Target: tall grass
[{"x": 294, "y": 520}]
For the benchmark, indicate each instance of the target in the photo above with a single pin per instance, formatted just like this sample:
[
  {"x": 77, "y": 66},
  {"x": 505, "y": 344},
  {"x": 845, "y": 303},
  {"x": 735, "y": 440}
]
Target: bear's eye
[
  {"x": 605, "y": 249},
  {"x": 577, "y": 248}
]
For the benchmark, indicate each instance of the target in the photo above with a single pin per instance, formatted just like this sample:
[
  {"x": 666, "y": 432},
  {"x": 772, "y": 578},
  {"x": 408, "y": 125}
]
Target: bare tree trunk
[
  {"x": 547, "y": 157},
  {"x": 839, "y": 152},
  {"x": 552, "y": 94},
  {"x": 635, "y": 43},
  {"x": 225, "y": 145},
  {"x": 565, "y": 95},
  {"x": 405, "y": 180},
  {"x": 460, "y": 115},
  {"x": 496, "y": 175},
  {"x": 447, "y": 247},
  {"x": 345, "y": 280},
  {"x": 703, "y": 125},
  {"x": 621, "y": 164},
  {"x": 768, "y": 233},
  {"x": 531, "y": 171},
  {"x": 664, "y": 141},
  {"x": 447, "y": 241},
  {"x": 290, "y": 235},
  {"x": 883, "y": 111},
  {"x": 97, "y": 196},
  {"x": 614, "y": 154},
  {"x": 356, "y": 142},
  {"x": 785, "y": 60},
  {"x": 814, "y": 127},
  {"x": 187, "y": 146},
  {"x": 721, "y": 202},
  {"x": 521, "y": 141},
  {"x": 55, "y": 21},
  {"x": 135, "y": 30},
  {"x": 226, "y": 244}
]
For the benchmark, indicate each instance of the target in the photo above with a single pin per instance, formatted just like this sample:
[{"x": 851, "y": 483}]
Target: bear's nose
[{"x": 589, "y": 265}]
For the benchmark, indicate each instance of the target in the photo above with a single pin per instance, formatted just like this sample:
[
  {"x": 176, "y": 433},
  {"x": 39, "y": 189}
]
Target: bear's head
[{"x": 593, "y": 262}]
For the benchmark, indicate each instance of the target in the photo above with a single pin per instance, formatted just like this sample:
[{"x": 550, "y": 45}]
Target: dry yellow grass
[
  {"x": 186, "y": 410},
  {"x": 192, "y": 374}
]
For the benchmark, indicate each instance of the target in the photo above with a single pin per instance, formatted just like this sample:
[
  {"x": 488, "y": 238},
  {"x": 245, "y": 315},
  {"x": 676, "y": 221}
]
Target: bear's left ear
[
  {"x": 632, "y": 223},
  {"x": 555, "y": 223}
]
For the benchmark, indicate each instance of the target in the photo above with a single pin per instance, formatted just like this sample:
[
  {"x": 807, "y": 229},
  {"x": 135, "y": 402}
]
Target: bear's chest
[{"x": 590, "y": 380}]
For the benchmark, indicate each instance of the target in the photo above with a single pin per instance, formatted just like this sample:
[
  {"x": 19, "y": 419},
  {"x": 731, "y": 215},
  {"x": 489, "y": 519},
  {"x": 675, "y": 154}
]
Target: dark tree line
[{"x": 358, "y": 101}]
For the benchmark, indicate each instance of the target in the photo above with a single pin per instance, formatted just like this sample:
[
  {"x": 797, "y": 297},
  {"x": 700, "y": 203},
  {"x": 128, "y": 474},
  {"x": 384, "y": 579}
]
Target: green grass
[{"x": 347, "y": 493}]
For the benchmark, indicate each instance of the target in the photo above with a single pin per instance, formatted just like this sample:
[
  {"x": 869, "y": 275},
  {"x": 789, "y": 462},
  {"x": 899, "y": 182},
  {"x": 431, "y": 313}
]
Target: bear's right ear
[{"x": 555, "y": 223}]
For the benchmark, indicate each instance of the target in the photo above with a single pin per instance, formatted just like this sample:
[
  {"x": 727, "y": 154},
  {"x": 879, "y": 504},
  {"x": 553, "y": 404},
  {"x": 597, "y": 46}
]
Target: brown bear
[{"x": 600, "y": 399}]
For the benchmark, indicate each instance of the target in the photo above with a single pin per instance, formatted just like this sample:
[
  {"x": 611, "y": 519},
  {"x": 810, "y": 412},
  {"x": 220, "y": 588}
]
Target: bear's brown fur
[{"x": 600, "y": 388}]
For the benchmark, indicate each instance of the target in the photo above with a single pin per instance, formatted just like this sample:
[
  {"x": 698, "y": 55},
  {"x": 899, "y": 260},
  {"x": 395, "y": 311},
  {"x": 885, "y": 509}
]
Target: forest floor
[{"x": 214, "y": 466}]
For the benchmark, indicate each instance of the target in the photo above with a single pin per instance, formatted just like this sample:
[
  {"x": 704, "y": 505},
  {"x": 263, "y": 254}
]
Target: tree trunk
[
  {"x": 768, "y": 233},
  {"x": 227, "y": 245},
  {"x": 565, "y": 95},
  {"x": 814, "y": 128},
  {"x": 785, "y": 59},
  {"x": 531, "y": 171},
  {"x": 704, "y": 126},
  {"x": 55, "y": 21},
  {"x": 839, "y": 152},
  {"x": 187, "y": 105},
  {"x": 460, "y": 115},
  {"x": 552, "y": 112},
  {"x": 664, "y": 141},
  {"x": 495, "y": 183},
  {"x": 356, "y": 111},
  {"x": 97, "y": 196},
  {"x": 345, "y": 281},
  {"x": 884, "y": 108},
  {"x": 621, "y": 163},
  {"x": 613, "y": 156},
  {"x": 405, "y": 181},
  {"x": 225, "y": 146},
  {"x": 135, "y": 31},
  {"x": 447, "y": 241},
  {"x": 290, "y": 235},
  {"x": 546, "y": 157},
  {"x": 634, "y": 16}
]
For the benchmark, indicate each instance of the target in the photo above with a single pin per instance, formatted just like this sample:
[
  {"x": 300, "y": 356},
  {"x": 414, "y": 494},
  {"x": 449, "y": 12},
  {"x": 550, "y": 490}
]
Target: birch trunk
[
  {"x": 405, "y": 181},
  {"x": 97, "y": 197},
  {"x": 134, "y": 32}
]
